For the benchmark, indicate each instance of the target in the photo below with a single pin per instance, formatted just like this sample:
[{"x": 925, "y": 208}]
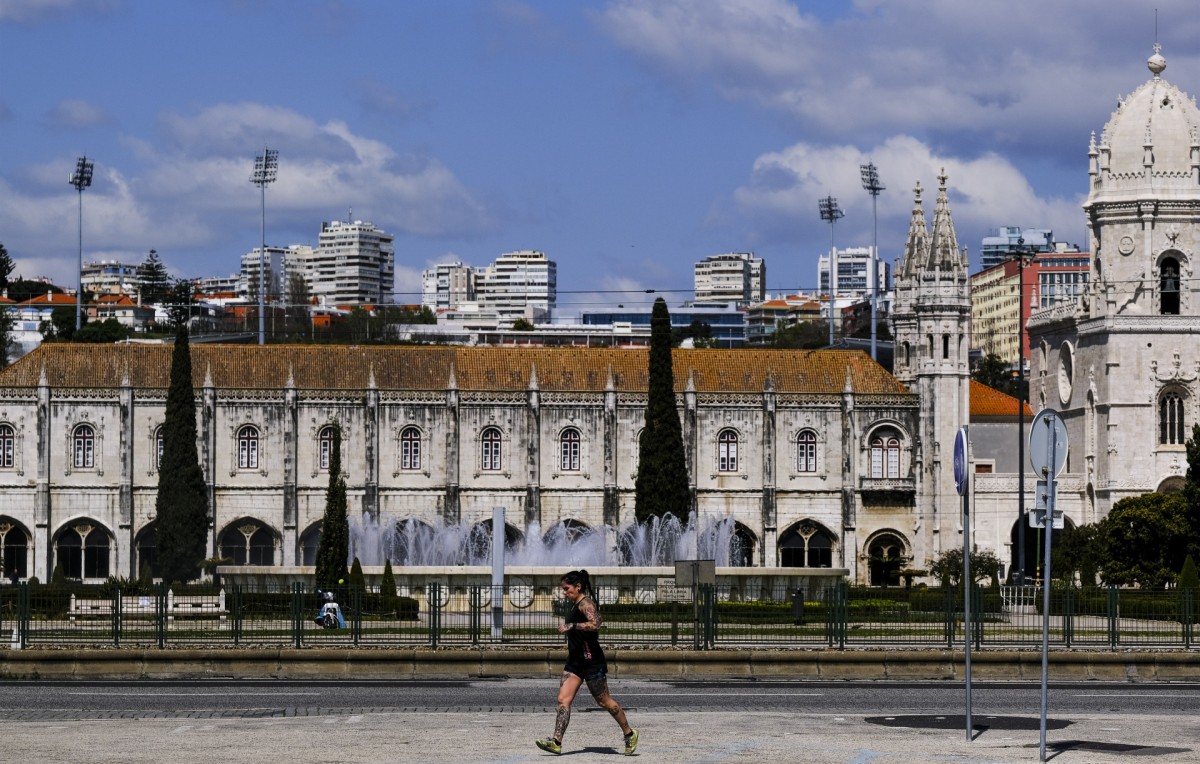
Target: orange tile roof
[
  {"x": 350, "y": 367},
  {"x": 54, "y": 298},
  {"x": 990, "y": 402}
]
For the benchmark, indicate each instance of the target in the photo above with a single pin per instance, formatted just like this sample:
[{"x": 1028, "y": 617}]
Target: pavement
[{"x": 505, "y": 736}]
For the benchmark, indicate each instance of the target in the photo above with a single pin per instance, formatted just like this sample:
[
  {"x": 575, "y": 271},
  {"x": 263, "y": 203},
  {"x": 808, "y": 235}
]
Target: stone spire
[
  {"x": 944, "y": 251},
  {"x": 917, "y": 246}
]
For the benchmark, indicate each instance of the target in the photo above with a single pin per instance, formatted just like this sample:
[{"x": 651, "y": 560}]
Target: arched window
[
  {"x": 490, "y": 450},
  {"x": 1170, "y": 419},
  {"x": 906, "y": 353},
  {"x": 83, "y": 551},
  {"x": 85, "y": 447},
  {"x": 325, "y": 447},
  {"x": 727, "y": 451},
  {"x": 410, "y": 448},
  {"x": 158, "y": 447},
  {"x": 806, "y": 452},
  {"x": 146, "y": 544},
  {"x": 1168, "y": 279},
  {"x": 248, "y": 543},
  {"x": 8, "y": 443},
  {"x": 568, "y": 449},
  {"x": 885, "y": 455},
  {"x": 806, "y": 546},
  {"x": 248, "y": 448},
  {"x": 14, "y": 550}
]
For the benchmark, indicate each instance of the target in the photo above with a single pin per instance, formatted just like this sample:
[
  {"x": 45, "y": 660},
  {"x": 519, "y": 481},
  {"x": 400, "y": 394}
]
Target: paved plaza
[{"x": 505, "y": 736}]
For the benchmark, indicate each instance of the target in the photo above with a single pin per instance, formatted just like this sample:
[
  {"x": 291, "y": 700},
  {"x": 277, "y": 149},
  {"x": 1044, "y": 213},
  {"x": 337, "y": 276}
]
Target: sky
[{"x": 626, "y": 139}]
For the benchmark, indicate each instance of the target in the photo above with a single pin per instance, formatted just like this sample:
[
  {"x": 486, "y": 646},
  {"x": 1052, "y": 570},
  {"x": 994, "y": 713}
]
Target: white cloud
[{"x": 77, "y": 113}]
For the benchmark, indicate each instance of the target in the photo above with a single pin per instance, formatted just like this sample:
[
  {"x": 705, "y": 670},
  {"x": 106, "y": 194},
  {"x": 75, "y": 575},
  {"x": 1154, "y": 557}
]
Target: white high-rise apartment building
[
  {"x": 353, "y": 264},
  {"x": 109, "y": 277},
  {"x": 856, "y": 267},
  {"x": 447, "y": 285},
  {"x": 275, "y": 264},
  {"x": 521, "y": 284},
  {"x": 733, "y": 277}
]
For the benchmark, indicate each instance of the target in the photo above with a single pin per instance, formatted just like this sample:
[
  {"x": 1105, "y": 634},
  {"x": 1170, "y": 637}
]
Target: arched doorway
[
  {"x": 310, "y": 540},
  {"x": 1035, "y": 548},
  {"x": 885, "y": 557},
  {"x": 146, "y": 545},
  {"x": 742, "y": 547}
]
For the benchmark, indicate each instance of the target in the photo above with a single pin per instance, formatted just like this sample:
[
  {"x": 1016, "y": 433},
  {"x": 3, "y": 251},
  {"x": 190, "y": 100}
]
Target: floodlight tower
[
  {"x": 80, "y": 179},
  {"x": 871, "y": 184},
  {"x": 266, "y": 165},
  {"x": 831, "y": 212}
]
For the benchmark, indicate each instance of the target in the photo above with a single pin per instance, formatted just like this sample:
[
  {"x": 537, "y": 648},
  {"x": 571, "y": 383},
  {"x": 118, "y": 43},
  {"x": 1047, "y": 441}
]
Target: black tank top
[{"x": 583, "y": 647}]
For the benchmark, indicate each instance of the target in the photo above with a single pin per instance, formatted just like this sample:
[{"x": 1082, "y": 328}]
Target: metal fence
[{"x": 713, "y": 616}]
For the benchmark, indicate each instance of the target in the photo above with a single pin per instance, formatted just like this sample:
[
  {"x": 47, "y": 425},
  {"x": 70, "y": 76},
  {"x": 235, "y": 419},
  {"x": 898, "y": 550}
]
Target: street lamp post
[
  {"x": 830, "y": 212},
  {"x": 871, "y": 184},
  {"x": 1022, "y": 255},
  {"x": 266, "y": 165},
  {"x": 80, "y": 179}
]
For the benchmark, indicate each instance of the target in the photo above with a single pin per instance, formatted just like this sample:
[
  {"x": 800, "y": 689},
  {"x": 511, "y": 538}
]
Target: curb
[{"x": 416, "y": 663}]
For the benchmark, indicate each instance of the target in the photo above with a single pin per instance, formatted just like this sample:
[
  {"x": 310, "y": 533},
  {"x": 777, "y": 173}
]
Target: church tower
[
  {"x": 931, "y": 326},
  {"x": 1122, "y": 363}
]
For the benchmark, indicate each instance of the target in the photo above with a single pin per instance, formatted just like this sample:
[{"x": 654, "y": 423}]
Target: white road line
[
  {"x": 725, "y": 694},
  {"x": 194, "y": 694},
  {"x": 354, "y": 718},
  {"x": 1135, "y": 695}
]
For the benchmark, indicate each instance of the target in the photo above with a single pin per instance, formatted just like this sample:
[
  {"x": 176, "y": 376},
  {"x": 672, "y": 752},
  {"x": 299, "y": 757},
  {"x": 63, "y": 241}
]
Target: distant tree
[
  {"x": 109, "y": 330},
  {"x": 178, "y": 301},
  {"x": 1191, "y": 490},
  {"x": 1145, "y": 540},
  {"x": 20, "y": 290},
  {"x": 181, "y": 506},
  {"x": 522, "y": 325},
  {"x": 996, "y": 373},
  {"x": 662, "y": 478},
  {"x": 947, "y": 567},
  {"x": 357, "y": 580},
  {"x": 1188, "y": 577},
  {"x": 803, "y": 335},
  {"x": 1077, "y": 550},
  {"x": 699, "y": 332},
  {"x": 154, "y": 284},
  {"x": 387, "y": 584},
  {"x": 298, "y": 298},
  {"x": 61, "y": 326},
  {"x": 334, "y": 546},
  {"x": 6, "y": 318}
]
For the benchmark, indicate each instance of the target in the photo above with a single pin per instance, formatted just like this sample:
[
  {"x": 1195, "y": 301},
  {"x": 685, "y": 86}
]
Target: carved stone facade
[
  {"x": 1122, "y": 364},
  {"x": 786, "y": 443}
]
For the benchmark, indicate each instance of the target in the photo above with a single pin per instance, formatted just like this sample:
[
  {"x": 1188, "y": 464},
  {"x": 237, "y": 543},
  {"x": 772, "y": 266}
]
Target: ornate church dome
[{"x": 1151, "y": 142}]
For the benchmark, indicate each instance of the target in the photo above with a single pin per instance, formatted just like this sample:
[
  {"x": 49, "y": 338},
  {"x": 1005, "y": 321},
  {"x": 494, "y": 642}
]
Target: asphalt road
[{"x": 681, "y": 721}]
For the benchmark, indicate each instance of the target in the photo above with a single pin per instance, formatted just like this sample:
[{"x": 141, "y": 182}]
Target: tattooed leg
[
  {"x": 567, "y": 687},
  {"x": 599, "y": 690}
]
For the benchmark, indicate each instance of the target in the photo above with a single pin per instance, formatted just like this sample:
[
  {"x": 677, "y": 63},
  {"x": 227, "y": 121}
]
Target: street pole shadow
[{"x": 1054, "y": 748}]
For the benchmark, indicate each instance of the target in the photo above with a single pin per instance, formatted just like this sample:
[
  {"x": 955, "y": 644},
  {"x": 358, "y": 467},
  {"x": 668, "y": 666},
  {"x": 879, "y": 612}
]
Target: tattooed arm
[{"x": 588, "y": 607}]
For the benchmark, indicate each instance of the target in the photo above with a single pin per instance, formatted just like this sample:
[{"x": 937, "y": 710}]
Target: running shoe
[
  {"x": 631, "y": 743},
  {"x": 553, "y": 746}
]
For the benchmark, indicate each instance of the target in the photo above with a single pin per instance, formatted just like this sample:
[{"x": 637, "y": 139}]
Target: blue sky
[{"x": 625, "y": 139}]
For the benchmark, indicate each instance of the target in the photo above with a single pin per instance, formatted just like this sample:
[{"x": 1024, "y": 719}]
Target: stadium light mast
[
  {"x": 871, "y": 184},
  {"x": 266, "y": 165},
  {"x": 80, "y": 179},
  {"x": 830, "y": 212}
]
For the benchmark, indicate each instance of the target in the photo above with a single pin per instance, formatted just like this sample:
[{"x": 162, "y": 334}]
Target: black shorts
[{"x": 587, "y": 673}]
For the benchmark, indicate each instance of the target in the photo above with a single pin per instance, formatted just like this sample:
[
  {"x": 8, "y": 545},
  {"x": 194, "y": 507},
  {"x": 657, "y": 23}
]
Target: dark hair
[{"x": 581, "y": 579}]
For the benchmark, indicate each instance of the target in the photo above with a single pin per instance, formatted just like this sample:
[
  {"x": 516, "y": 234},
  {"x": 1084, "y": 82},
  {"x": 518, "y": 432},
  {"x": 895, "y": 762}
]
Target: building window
[
  {"x": 248, "y": 448},
  {"x": 85, "y": 447},
  {"x": 8, "y": 442},
  {"x": 324, "y": 447},
  {"x": 1170, "y": 420},
  {"x": 806, "y": 546},
  {"x": 158, "y": 447},
  {"x": 490, "y": 450},
  {"x": 568, "y": 449},
  {"x": 727, "y": 451},
  {"x": 806, "y": 452},
  {"x": 1169, "y": 287},
  {"x": 410, "y": 449},
  {"x": 885, "y": 455},
  {"x": 83, "y": 552}
]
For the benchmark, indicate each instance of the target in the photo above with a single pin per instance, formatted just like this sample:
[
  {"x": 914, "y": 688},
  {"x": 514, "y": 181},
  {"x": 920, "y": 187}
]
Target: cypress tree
[
  {"x": 6, "y": 320},
  {"x": 181, "y": 506},
  {"x": 335, "y": 527},
  {"x": 662, "y": 479}
]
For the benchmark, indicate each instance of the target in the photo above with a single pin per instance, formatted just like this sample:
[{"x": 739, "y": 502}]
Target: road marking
[
  {"x": 194, "y": 694},
  {"x": 727, "y": 694},
  {"x": 354, "y": 718},
  {"x": 1135, "y": 695}
]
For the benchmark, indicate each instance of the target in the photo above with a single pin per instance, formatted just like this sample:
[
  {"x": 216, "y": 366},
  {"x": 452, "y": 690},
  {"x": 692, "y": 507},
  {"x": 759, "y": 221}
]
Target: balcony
[{"x": 905, "y": 486}]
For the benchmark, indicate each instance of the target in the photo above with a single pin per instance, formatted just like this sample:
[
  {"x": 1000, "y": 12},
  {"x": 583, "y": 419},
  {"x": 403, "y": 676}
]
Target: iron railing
[{"x": 442, "y": 615}]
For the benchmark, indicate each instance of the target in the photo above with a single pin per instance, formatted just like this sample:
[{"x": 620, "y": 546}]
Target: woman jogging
[{"x": 585, "y": 662}]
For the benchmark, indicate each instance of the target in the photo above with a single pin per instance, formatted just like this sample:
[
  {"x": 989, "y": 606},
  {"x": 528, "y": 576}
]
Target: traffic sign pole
[
  {"x": 961, "y": 473},
  {"x": 1052, "y": 437}
]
